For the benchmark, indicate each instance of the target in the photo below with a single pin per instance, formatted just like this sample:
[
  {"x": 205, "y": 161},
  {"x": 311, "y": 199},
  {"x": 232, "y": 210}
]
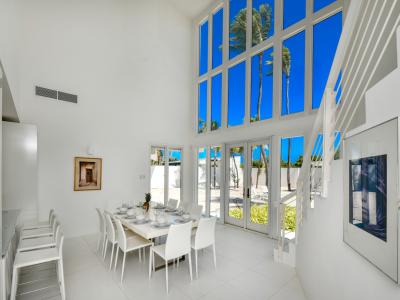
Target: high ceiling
[{"x": 191, "y": 8}]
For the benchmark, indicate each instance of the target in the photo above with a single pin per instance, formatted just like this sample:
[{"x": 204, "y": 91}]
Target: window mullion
[
  {"x": 309, "y": 58},
  {"x": 166, "y": 175}
]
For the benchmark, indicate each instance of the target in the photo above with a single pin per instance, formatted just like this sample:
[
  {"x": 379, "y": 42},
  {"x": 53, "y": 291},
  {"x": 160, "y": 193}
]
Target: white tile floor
[{"x": 245, "y": 270}]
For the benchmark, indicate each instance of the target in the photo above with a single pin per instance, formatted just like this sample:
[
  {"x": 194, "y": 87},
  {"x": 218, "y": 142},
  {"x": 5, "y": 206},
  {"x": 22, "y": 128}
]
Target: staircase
[{"x": 368, "y": 29}]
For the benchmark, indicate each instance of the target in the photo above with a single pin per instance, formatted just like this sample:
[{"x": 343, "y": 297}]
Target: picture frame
[{"x": 87, "y": 173}]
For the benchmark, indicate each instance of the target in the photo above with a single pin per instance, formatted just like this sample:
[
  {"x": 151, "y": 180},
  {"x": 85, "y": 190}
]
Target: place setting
[{"x": 161, "y": 221}]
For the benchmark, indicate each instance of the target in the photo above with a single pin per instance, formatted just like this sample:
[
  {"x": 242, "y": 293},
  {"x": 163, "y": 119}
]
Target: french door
[{"x": 247, "y": 196}]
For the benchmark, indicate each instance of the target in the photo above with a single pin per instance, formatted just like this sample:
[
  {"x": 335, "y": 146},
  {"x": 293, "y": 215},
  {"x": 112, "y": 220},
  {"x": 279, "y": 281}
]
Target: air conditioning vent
[
  {"x": 67, "y": 97},
  {"x": 53, "y": 94},
  {"x": 41, "y": 91}
]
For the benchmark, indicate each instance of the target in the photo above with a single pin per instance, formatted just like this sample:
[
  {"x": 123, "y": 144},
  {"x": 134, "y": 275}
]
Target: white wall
[
  {"x": 128, "y": 61},
  {"x": 19, "y": 168}
]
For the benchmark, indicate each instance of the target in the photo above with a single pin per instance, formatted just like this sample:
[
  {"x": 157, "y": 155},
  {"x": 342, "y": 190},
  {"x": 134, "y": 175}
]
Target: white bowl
[{"x": 140, "y": 217}]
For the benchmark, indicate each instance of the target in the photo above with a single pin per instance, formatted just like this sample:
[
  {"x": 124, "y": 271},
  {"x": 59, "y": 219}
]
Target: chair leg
[
  {"x": 215, "y": 256},
  {"x": 105, "y": 250},
  {"x": 177, "y": 261},
  {"x": 190, "y": 265},
  {"x": 14, "y": 284},
  {"x": 140, "y": 255},
  {"x": 104, "y": 244},
  {"x": 116, "y": 258},
  {"x": 166, "y": 274},
  {"x": 112, "y": 254},
  {"x": 150, "y": 261},
  {"x": 98, "y": 242},
  {"x": 196, "y": 265},
  {"x": 123, "y": 267},
  {"x": 61, "y": 275},
  {"x": 144, "y": 254}
]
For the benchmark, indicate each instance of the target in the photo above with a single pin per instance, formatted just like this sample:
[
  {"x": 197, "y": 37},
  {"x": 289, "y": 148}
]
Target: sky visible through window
[
  {"x": 237, "y": 35},
  {"x": 319, "y": 4},
  {"x": 236, "y": 94},
  {"x": 202, "y": 109},
  {"x": 217, "y": 36},
  {"x": 296, "y": 149},
  {"x": 216, "y": 101},
  {"x": 203, "y": 48},
  {"x": 261, "y": 86},
  {"x": 293, "y": 71},
  {"x": 326, "y": 38},
  {"x": 293, "y": 12}
]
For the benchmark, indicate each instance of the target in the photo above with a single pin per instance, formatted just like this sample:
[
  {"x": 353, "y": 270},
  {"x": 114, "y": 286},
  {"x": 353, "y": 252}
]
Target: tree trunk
[
  {"x": 258, "y": 175},
  {"x": 260, "y": 79},
  {"x": 237, "y": 172}
]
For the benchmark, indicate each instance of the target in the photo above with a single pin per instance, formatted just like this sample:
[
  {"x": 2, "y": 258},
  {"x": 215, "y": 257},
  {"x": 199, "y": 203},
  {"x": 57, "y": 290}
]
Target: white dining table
[{"x": 147, "y": 230}]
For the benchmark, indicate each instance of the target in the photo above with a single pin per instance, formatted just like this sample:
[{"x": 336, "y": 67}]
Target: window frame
[
  {"x": 167, "y": 148},
  {"x": 276, "y": 42}
]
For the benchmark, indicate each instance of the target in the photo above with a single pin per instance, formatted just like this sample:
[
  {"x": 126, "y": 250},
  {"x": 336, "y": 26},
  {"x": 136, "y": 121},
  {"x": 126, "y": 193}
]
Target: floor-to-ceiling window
[
  {"x": 165, "y": 173},
  {"x": 202, "y": 177}
]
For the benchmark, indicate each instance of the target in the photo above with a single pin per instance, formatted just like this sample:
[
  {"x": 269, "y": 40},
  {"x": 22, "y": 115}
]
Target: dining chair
[
  {"x": 176, "y": 246},
  {"x": 40, "y": 242},
  {"x": 204, "y": 238},
  {"x": 126, "y": 245},
  {"x": 36, "y": 257},
  {"x": 102, "y": 230},
  {"x": 196, "y": 211},
  {"x": 172, "y": 203},
  {"x": 43, "y": 224},
  {"x": 112, "y": 236},
  {"x": 40, "y": 232}
]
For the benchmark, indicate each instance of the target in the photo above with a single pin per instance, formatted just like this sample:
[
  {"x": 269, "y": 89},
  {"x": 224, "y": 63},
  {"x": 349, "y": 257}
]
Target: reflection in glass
[
  {"x": 215, "y": 181},
  {"x": 293, "y": 71},
  {"x": 236, "y": 184},
  {"x": 262, "y": 21},
  {"x": 157, "y": 163},
  {"x": 201, "y": 177},
  {"x": 368, "y": 195},
  {"x": 261, "y": 86},
  {"x": 237, "y": 27}
]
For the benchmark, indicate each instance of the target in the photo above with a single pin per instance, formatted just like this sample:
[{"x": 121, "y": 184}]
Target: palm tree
[
  {"x": 235, "y": 151},
  {"x": 261, "y": 25},
  {"x": 286, "y": 65},
  {"x": 216, "y": 150}
]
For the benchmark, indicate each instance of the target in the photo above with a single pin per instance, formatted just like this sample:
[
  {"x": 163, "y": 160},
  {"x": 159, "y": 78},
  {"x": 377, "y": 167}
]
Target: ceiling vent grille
[{"x": 58, "y": 95}]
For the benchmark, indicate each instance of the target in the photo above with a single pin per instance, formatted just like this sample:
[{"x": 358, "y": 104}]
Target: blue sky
[{"x": 326, "y": 36}]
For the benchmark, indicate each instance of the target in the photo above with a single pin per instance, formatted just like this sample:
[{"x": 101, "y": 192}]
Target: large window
[
  {"x": 236, "y": 69},
  {"x": 165, "y": 174},
  {"x": 293, "y": 70},
  {"x": 215, "y": 181},
  {"x": 326, "y": 38}
]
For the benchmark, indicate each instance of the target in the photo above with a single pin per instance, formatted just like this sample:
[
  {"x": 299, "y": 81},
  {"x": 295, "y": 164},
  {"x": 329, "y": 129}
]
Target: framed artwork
[
  {"x": 87, "y": 175},
  {"x": 370, "y": 221}
]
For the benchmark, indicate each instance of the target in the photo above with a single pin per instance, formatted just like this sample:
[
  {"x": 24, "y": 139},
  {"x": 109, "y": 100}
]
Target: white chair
[
  {"x": 40, "y": 242},
  {"x": 205, "y": 237},
  {"x": 40, "y": 232},
  {"x": 102, "y": 232},
  {"x": 128, "y": 244},
  {"x": 172, "y": 203},
  {"x": 32, "y": 258},
  {"x": 43, "y": 224},
  {"x": 196, "y": 211},
  {"x": 112, "y": 237},
  {"x": 177, "y": 245}
]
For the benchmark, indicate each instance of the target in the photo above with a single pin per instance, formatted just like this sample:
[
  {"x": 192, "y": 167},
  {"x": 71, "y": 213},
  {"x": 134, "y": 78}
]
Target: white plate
[
  {"x": 158, "y": 225},
  {"x": 139, "y": 222}
]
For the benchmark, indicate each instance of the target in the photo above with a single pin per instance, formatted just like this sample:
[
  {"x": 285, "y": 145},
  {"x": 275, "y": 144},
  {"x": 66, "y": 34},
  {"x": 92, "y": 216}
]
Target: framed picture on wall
[{"x": 87, "y": 175}]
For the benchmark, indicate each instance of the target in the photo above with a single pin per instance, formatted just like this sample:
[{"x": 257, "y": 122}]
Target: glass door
[
  {"x": 258, "y": 190},
  {"x": 235, "y": 184}
]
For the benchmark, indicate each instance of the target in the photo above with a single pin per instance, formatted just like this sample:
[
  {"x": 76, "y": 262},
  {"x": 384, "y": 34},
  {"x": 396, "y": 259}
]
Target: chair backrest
[
  {"x": 172, "y": 203},
  {"x": 51, "y": 213},
  {"x": 109, "y": 228},
  {"x": 60, "y": 243},
  {"x": 196, "y": 212},
  {"x": 55, "y": 227},
  {"x": 178, "y": 240},
  {"x": 57, "y": 232},
  {"x": 101, "y": 220},
  {"x": 53, "y": 222},
  {"x": 121, "y": 237},
  {"x": 205, "y": 234}
]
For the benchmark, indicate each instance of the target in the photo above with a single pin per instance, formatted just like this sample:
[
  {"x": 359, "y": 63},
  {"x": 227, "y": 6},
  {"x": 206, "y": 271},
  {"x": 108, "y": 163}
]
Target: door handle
[{"x": 248, "y": 193}]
